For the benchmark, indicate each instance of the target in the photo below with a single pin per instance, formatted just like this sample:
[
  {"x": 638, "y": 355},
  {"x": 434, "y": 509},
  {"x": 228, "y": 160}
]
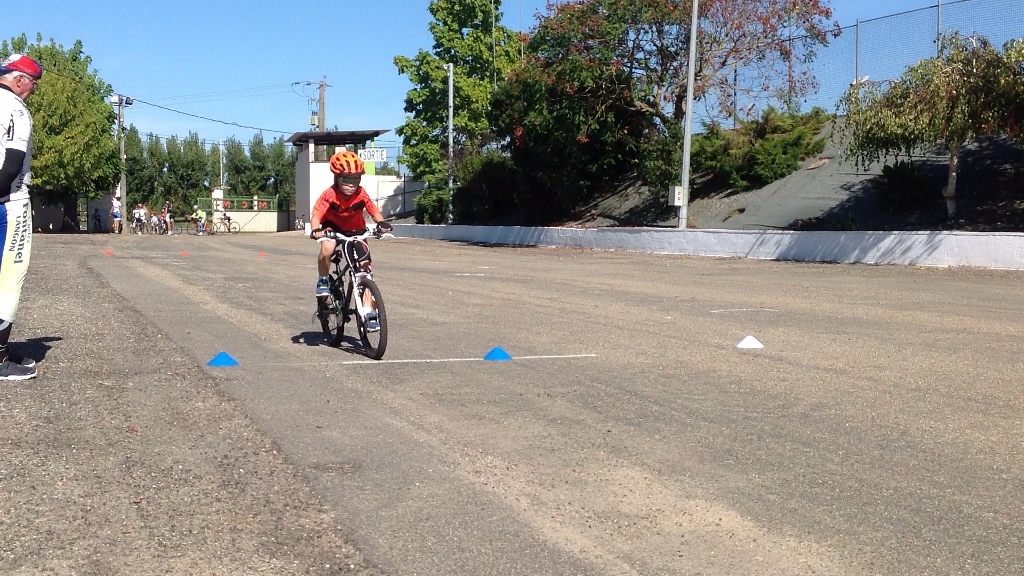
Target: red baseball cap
[{"x": 22, "y": 63}]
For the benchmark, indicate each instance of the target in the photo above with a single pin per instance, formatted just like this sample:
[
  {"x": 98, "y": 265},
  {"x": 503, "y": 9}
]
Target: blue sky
[{"x": 235, "y": 61}]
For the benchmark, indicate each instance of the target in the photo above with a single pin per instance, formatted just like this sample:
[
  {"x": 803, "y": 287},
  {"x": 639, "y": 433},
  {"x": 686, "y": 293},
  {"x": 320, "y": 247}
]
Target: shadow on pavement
[
  {"x": 310, "y": 338},
  {"x": 35, "y": 348}
]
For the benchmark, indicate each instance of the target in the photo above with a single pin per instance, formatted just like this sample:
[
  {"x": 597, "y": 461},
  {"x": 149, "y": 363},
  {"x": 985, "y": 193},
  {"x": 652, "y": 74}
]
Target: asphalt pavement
[{"x": 877, "y": 432}]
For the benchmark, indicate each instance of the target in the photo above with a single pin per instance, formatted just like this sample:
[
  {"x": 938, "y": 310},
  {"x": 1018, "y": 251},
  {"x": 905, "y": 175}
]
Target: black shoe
[{"x": 11, "y": 371}]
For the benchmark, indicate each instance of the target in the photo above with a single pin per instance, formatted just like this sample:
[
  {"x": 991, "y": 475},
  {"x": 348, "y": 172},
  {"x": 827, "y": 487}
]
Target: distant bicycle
[
  {"x": 354, "y": 294},
  {"x": 223, "y": 226},
  {"x": 193, "y": 227}
]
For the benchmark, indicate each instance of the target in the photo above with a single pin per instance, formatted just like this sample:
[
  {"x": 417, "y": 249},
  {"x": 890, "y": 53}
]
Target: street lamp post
[{"x": 684, "y": 199}]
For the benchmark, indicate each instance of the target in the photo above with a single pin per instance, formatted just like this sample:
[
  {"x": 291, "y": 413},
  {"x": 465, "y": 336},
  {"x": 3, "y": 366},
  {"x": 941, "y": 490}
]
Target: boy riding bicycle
[{"x": 340, "y": 208}]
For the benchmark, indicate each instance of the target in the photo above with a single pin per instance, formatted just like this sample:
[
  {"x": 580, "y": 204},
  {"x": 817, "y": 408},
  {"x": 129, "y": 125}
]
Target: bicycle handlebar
[{"x": 333, "y": 235}]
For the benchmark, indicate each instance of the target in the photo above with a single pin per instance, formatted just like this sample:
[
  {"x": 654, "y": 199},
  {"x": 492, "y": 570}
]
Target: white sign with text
[{"x": 373, "y": 155}]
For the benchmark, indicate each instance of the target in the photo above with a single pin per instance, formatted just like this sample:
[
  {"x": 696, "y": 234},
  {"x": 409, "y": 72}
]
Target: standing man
[{"x": 18, "y": 77}]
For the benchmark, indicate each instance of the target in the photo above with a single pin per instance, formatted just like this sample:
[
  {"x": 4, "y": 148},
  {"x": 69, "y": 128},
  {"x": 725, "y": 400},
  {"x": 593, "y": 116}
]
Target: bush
[
  {"x": 758, "y": 152},
  {"x": 487, "y": 193},
  {"x": 432, "y": 206},
  {"x": 901, "y": 187}
]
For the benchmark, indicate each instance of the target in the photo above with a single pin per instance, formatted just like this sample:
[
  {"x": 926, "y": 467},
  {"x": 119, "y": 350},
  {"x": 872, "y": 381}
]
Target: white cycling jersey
[{"x": 15, "y": 133}]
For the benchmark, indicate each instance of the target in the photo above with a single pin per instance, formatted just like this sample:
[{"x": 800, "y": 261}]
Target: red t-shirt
[{"x": 344, "y": 212}]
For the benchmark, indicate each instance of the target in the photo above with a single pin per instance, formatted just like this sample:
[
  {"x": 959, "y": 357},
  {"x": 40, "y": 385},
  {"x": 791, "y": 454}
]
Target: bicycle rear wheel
[{"x": 373, "y": 337}]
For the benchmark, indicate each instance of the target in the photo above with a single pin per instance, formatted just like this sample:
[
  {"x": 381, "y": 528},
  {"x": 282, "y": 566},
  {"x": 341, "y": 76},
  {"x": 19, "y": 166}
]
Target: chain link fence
[{"x": 883, "y": 48}]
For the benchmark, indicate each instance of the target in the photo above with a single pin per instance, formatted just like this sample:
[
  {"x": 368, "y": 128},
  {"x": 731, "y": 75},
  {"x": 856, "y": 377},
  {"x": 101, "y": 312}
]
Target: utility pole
[
  {"x": 451, "y": 140},
  {"x": 688, "y": 127},
  {"x": 323, "y": 105},
  {"x": 121, "y": 102},
  {"x": 220, "y": 154}
]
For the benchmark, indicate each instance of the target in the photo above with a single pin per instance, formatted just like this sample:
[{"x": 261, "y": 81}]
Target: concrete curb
[{"x": 945, "y": 249}]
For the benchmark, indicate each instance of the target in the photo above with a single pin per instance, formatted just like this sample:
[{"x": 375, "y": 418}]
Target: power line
[
  {"x": 210, "y": 119},
  {"x": 225, "y": 122}
]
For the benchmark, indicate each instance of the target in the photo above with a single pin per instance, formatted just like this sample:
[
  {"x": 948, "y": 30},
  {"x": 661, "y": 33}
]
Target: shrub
[
  {"x": 901, "y": 187},
  {"x": 758, "y": 152},
  {"x": 487, "y": 189},
  {"x": 432, "y": 206}
]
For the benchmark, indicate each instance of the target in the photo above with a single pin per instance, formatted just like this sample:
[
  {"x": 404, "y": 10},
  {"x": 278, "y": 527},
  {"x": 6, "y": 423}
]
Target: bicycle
[
  {"x": 193, "y": 227},
  {"x": 350, "y": 281},
  {"x": 138, "y": 226},
  {"x": 223, "y": 227}
]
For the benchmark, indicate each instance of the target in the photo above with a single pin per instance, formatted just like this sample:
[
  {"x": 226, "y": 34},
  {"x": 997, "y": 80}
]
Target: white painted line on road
[
  {"x": 428, "y": 360},
  {"x": 743, "y": 310},
  {"x": 431, "y": 360},
  {"x": 469, "y": 274}
]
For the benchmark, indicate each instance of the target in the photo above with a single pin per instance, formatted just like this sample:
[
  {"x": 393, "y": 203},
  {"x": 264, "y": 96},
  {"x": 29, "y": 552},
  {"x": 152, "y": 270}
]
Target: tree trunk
[{"x": 949, "y": 192}]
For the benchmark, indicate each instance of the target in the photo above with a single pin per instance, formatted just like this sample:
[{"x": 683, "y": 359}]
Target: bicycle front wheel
[
  {"x": 193, "y": 229},
  {"x": 234, "y": 228},
  {"x": 373, "y": 333}
]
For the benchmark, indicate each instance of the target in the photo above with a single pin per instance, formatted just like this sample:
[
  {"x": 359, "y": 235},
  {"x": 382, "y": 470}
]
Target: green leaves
[
  {"x": 970, "y": 90},
  {"x": 465, "y": 34},
  {"x": 73, "y": 146},
  {"x": 183, "y": 170}
]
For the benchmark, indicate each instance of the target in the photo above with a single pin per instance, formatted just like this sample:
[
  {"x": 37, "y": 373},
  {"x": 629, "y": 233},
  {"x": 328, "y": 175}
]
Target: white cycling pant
[{"x": 16, "y": 234}]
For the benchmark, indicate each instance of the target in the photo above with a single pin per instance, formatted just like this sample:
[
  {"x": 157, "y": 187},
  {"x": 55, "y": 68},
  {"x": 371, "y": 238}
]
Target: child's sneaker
[
  {"x": 323, "y": 286},
  {"x": 372, "y": 325}
]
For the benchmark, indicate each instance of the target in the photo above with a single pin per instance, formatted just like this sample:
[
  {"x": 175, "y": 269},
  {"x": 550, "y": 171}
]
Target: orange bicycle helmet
[{"x": 346, "y": 162}]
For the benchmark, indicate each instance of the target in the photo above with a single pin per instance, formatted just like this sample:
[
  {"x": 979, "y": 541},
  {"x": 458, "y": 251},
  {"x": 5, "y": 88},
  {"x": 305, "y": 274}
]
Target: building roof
[{"x": 334, "y": 137}]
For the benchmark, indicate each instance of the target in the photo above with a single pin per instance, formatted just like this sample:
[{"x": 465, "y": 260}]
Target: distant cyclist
[
  {"x": 200, "y": 217},
  {"x": 138, "y": 219},
  {"x": 340, "y": 208}
]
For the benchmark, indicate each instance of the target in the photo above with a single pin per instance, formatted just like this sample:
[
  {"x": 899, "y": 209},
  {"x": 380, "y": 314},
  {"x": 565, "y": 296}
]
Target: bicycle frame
[{"x": 346, "y": 264}]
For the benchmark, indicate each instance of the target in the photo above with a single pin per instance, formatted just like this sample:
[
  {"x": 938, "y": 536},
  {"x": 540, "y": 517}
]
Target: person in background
[
  {"x": 115, "y": 213},
  {"x": 166, "y": 213}
]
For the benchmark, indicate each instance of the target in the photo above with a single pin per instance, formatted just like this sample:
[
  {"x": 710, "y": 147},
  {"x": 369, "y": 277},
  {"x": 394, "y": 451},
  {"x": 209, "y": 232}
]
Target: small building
[{"x": 394, "y": 195}]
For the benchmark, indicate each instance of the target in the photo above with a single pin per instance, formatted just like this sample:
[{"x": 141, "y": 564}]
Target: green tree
[
  {"x": 281, "y": 160},
  {"x": 387, "y": 169},
  {"x": 257, "y": 179},
  {"x": 236, "y": 167},
  {"x": 192, "y": 170},
  {"x": 135, "y": 168},
  {"x": 969, "y": 90},
  {"x": 213, "y": 163},
  {"x": 152, "y": 184},
  {"x": 599, "y": 98},
  {"x": 73, "y": 141},
  {"x": 466, "y": 35}
]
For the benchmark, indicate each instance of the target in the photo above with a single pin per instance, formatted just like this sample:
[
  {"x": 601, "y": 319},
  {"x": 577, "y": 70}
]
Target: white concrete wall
[
  {"x": 260, "y": 221},
  {"x": 982, "y": 250},
  {"x": 303, "y": 199}
]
